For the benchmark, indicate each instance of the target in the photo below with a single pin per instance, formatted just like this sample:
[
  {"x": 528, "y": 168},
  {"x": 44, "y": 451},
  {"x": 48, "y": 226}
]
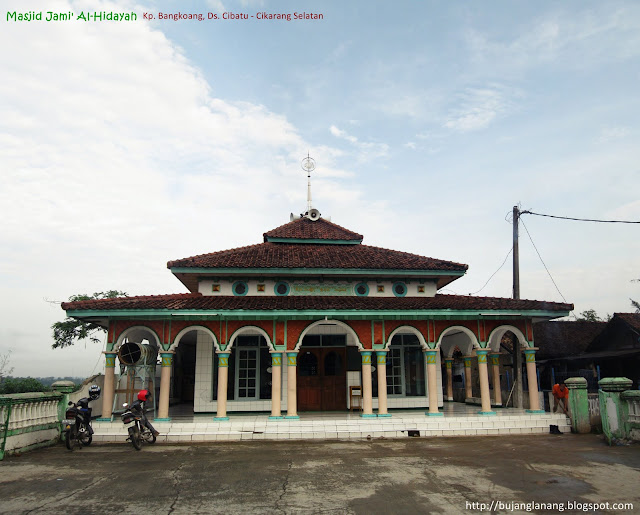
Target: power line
[
  {"x": 494, "y": 273},
  {"x": 485, "y": 284},
  {"x": 581, "y": 219},
  {"x": 541, "y": 260}
]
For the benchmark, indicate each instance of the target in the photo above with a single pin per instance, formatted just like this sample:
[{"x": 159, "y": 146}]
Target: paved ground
[{"x": 413, "y": 475}]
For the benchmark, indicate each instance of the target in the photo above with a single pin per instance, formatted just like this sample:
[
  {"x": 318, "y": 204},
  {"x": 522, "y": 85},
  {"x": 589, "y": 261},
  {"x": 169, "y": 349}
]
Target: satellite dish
[{"x": 313, "y": 215}]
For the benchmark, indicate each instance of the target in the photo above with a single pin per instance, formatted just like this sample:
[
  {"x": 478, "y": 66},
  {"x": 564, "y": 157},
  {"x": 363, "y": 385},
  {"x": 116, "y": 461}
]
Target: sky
[{"x": 124, "y": 145}]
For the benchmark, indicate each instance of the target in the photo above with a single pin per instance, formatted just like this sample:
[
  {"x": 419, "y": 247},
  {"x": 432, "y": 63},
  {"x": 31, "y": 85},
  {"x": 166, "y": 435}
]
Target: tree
[
  {"x": 22, "y": 385},
  {"x": 5, "y": 370},
  {"x": 589, "y": 315},
  {"x": 636, "y": 305},
  {"x": 70, "y": 330}
]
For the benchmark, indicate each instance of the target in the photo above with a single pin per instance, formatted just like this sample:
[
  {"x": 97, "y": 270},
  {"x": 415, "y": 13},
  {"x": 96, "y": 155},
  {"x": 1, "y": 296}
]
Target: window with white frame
[{"x": 405, "y": 368}]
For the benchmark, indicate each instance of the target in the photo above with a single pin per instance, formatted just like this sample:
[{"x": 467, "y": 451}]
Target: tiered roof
[{"x": 197, "y": 301}]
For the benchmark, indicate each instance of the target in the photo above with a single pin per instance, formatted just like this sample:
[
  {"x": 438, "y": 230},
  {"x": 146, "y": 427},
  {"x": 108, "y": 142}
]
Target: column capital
[
  {"x": 530, "y": 355},
  {"x": 219, "y": 352},
  {"x": 366, "y": 356},
  {"x": 381, "y": 352},
  {"x": 366, "y": 351},
  {"x": 167, "y": 358},
  {"x": 110, "y": 359},
  {"x": 272, "y": 352},
  {"x": 223, "y": 359}
]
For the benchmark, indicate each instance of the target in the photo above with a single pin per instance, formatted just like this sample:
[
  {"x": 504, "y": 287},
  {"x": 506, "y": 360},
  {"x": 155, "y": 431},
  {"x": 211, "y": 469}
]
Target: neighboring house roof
[
  {"x": 196, "y": 301},
  {"x": 564, "y": 338},
  {"x": 631, "y": 319},
  {"x": 621, "y": 332},
  {"x": 305, "y": 229}
]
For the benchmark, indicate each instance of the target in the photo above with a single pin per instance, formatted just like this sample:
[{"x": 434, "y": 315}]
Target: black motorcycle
[
  {"x": 76, "y": 425},
  {"x": 136, "y": 420}
]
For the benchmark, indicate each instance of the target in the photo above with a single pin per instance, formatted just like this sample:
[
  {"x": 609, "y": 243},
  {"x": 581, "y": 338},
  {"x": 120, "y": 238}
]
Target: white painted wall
[{"x": 206, "y": 287}]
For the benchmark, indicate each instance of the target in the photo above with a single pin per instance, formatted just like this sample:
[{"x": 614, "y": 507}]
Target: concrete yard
[{"x": 411, "y": 475}]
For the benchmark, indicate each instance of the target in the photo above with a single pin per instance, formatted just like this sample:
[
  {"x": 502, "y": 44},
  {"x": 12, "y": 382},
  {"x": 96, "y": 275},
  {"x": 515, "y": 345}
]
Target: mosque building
[{"x": 313, "y": 319}]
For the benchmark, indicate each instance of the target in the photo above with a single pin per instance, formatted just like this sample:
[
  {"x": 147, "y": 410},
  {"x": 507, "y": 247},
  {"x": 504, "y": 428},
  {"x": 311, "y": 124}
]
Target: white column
[
  {"x": 223, "y": 378},
  {"x": 165, "y": 385},
  {"x": 432, "y": 382},
  {"x": 381, "y": 360},
  {"x": 276, "y": 385},
  {"x": 367, "y": 392},
  {"x": 483, "y": 373},
  {"x": 532, "y": 378},
  {"x": 292, "y": 388}
]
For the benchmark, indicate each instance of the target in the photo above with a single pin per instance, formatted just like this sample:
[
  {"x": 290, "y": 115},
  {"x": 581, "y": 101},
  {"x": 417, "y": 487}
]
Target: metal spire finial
[{"x": 308, "y": 165}]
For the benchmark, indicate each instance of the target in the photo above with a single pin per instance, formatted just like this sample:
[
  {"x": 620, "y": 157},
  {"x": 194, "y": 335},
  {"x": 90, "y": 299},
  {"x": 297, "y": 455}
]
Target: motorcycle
[
  {"x": 135, "y": 420},
  {"x": 76, "y": 425}
]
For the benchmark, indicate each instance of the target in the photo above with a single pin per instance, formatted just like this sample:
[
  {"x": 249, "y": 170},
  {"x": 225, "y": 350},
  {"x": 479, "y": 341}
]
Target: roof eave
[{"x": 446, "y": 314}]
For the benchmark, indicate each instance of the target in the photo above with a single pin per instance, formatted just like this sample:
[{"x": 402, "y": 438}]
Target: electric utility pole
[{"x": 517, "y": 356}]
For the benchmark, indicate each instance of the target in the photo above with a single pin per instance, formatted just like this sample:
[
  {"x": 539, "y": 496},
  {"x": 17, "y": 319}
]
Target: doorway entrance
[{"x": 322, "y": 379}]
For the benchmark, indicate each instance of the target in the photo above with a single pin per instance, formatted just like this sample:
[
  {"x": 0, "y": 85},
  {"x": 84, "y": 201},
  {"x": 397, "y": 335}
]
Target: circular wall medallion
[
  {"x": 362, "y": 289},
  {"x": 281, "y": 288},
  {"x": 240, "y": 288},
  {"x": 399, "y": 289}
]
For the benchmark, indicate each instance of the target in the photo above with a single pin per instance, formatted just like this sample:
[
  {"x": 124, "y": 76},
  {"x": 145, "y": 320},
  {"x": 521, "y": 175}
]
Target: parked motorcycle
[
  {"x": 76, "y": 425},
  {"x": 139, "y": 428}
]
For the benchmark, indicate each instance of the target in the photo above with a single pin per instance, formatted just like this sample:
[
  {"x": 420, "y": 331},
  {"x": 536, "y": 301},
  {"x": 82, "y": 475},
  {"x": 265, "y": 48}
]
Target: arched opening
[
  {"x": 406, "y": 372},
  {"x": 137, "y": 351},
  {"x": 249, "y": 374},
  {"x": 190, "y": 388},
  {"x": 328, "y": 363},
  {"x": 460, "y": 383}
]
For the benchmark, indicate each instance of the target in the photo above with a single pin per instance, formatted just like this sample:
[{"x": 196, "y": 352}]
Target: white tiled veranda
[{"x": 457, "y": 420}]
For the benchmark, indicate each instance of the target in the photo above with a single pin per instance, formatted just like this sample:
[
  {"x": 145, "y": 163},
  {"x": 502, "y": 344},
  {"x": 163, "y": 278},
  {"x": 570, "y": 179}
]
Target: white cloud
[
  {"x": 610, "y": 134},
  {"x": 116, "y": 158},
  {"x": 577, "y": 39},
  {"x": 366, "y": 150},
  {"x": 477, "y": 108}
]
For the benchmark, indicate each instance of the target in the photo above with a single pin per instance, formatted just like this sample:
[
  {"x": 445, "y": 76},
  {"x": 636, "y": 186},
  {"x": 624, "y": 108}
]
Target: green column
[
  {"x": 612, "y": 407},
  {"x": 578, "y": 404},
  {"x": 65, "y": 388}
]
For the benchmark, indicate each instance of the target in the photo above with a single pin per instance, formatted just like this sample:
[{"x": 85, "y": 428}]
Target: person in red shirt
[{"x": 561, "y": 398}]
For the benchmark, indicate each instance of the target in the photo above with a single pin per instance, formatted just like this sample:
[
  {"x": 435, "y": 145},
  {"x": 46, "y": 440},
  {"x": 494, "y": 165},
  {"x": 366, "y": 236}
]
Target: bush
[{"x": 22, "y": 385}]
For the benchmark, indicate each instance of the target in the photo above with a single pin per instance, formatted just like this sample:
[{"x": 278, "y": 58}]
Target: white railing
[
  {"x": 634, "y": 410},
  {"x": 28, "y": 419}
]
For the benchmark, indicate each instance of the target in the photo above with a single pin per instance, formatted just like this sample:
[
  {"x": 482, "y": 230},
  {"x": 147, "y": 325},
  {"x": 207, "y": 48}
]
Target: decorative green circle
[
  {"x": 401, "y": 285},
  {"x": 240, "y": 284},
  {"x": 277, "y": 287},
  {"x": 366, "y": 287}
]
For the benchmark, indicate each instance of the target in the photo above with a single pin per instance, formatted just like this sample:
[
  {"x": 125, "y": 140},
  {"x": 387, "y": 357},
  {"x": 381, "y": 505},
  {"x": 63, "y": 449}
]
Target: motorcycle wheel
[
  {"x": 71, "y": 438},
  {"x": 85, "y": 438},
  {"x": 136, "y": 439},
  {"x": 149, "y": 437}
]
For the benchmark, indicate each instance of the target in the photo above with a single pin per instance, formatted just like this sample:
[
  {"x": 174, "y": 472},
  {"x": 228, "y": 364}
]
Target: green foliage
[
  {"x": 22, "y": 385},
  {"x": 70, "y": 330},
  {"x": 636, "y": 305},
  {"x": 589, "y": 315},
  {"x": 5, "y": 370}
]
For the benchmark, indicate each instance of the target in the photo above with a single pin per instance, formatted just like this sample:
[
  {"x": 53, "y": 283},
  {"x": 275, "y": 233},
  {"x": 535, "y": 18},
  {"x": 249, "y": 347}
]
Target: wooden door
[{"x": 322, "y": 379}]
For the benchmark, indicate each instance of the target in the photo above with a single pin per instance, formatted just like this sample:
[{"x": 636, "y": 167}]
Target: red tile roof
[
  {"x": 197, "y": 301},
  {"x": 305, "y": 229},
  {"x": 311, "y": 255}
]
